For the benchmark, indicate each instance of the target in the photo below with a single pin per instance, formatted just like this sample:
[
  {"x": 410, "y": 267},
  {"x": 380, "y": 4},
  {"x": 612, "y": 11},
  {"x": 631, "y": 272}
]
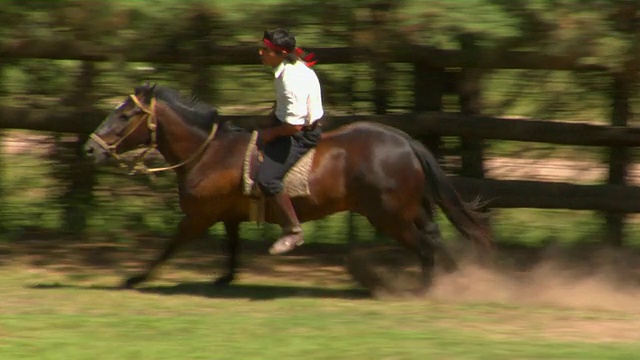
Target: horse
[{"x": 368, "y": 168}]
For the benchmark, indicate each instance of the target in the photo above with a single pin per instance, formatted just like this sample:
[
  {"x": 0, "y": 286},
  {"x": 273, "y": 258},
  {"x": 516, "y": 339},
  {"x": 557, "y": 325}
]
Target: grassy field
[{"x": 59, "y": 301}]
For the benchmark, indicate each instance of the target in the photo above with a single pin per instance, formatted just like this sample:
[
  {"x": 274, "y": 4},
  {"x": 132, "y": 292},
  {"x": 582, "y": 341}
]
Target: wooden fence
[{"x": 427, "y": 122}]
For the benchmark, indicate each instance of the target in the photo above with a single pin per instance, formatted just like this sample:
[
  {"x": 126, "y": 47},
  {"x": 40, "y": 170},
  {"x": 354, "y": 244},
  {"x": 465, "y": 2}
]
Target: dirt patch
[
  {"x": 582, "y": 278},
  {"x": 553, "y": 170},
  {"x": 578, "y": 294},
  {"x": 548, "y": 284}
]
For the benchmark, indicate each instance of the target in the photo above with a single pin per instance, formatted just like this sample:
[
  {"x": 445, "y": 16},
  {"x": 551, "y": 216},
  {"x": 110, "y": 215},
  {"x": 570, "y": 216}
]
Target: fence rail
[
  {"x": 502, "y": 193},
  {"x": 419, "y": 124}
]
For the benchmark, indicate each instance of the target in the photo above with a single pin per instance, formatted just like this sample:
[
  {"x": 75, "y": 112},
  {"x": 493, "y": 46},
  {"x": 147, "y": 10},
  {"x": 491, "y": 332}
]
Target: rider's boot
[{"x": 291, "y": 230}]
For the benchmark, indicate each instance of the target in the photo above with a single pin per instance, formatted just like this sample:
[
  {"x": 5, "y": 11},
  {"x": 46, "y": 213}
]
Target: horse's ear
[
  {"x": 141, "y": 89},
  {"x": 148, "y": 90}
]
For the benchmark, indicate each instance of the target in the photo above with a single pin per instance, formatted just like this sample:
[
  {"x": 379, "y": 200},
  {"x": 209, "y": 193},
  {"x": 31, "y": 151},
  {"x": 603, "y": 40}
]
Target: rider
[{"x": 295, "y": 129}]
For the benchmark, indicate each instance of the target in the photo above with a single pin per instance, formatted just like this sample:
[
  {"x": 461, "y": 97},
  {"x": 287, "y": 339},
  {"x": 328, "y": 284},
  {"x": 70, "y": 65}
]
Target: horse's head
[{"x": 132, "y": 124}]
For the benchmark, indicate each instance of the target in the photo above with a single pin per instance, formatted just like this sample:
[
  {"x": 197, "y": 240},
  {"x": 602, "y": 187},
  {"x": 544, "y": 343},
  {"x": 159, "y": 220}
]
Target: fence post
[
  {"x": 428, "y": 89},
  {"x": 469, "y": 91},
  {"x": 618, "y": 155},
  {"x": 77, "y": 173},
  {"x": 380, "y": 51},
  {"x": 3, "y": 213},
  {"x": 357, "y": 25},
  {"x": 470, "y": 100}
]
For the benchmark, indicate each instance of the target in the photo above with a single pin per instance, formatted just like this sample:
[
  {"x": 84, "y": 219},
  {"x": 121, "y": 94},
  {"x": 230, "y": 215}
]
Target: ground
[{"x": 578, "y": 281}]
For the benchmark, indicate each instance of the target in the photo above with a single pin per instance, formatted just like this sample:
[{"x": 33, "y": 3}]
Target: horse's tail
[{"x": 465, "y": 216}]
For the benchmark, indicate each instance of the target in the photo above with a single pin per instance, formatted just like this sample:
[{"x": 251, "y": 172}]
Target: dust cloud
[{"x": 574, "y": 278}]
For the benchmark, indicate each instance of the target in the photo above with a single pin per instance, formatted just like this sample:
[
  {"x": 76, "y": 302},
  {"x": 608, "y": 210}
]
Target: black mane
[{"x": 193, "y": 110}]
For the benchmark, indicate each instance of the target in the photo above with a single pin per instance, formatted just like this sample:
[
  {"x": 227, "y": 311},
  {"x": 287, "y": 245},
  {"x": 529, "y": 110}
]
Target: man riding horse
[
  {"x": 295, "y": 128},
  {"x": 371, "y": 169}
]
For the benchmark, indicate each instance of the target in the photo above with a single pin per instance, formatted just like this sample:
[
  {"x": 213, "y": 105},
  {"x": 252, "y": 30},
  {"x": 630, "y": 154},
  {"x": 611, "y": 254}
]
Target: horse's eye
[{"x": 123, "y": 117}]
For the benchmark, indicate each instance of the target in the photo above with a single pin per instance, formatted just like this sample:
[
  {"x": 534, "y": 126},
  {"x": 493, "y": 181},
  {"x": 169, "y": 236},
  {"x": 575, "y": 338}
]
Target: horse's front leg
[
  {"x": 233, "y": 242},
  {"x": 189, "y": 228}
]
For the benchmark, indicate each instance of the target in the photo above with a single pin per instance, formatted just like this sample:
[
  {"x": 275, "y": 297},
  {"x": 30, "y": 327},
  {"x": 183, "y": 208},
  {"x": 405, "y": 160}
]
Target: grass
[
  {"x": 313, "y": 336},
  {"x": 67, "y": 310}
]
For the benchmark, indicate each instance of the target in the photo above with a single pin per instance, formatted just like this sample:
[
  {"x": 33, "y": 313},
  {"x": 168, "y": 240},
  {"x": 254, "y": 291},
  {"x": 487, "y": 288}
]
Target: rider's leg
[{"x": 279, "y": 155}]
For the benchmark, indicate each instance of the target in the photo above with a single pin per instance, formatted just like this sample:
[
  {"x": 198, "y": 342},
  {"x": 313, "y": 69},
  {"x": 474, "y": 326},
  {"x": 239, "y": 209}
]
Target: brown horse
[{"x": 371, "y": 169}]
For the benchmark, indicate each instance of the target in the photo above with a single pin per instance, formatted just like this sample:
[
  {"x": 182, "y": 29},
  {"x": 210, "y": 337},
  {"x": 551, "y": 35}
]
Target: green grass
[{"x": 49, "y": 314}]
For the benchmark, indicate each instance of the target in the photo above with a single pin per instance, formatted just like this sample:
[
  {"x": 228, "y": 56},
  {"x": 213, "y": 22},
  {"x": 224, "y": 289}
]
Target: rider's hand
[{"x": 266, "y": 136}]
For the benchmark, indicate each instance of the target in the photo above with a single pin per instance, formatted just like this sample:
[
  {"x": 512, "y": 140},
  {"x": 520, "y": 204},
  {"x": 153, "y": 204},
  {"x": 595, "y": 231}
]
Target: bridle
[{"x": 137, "y": 165}]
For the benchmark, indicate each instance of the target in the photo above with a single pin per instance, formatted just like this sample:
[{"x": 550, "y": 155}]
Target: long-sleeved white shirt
[{"x": 298, "y": 94}]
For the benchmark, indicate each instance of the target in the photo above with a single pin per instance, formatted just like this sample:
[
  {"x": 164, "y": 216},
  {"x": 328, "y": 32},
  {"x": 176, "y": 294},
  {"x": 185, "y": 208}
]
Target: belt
[{"x": 313, "y": 126}]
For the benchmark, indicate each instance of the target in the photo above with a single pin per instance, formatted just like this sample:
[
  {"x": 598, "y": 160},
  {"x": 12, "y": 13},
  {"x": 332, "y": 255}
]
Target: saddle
[{"x": 296, "y": 181}]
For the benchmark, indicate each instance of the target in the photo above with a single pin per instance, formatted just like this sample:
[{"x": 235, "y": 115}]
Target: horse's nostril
[{"x": 89, "y": 151}]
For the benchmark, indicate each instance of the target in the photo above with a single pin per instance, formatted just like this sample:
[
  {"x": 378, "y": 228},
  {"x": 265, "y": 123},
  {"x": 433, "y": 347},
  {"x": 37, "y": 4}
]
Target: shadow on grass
[
  {"x": 255, "y": 291},
  {"x": 242, "y": 291}
]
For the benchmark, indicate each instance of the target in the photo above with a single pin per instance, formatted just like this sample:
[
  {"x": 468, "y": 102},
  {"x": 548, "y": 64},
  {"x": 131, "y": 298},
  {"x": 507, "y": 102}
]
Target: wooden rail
[{"x": 445, "y": 124}]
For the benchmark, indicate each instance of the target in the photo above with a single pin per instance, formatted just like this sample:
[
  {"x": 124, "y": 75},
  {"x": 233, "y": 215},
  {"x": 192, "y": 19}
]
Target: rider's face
[{"x": 271, "y": 57}]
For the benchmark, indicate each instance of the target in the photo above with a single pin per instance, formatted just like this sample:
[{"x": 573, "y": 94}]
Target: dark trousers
[{"x": 280, "y": 155}]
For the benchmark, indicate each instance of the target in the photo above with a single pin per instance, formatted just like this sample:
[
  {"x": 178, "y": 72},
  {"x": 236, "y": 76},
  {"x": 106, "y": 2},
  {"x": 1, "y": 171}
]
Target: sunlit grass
[{"x": 54, "y": 315}]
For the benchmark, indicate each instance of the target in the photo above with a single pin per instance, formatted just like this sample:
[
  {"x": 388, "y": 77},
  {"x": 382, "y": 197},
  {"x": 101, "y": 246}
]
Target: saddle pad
[{"x": 296, "y": 181}]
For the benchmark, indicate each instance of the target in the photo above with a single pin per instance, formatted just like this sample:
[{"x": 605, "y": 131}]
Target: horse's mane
[{"x": 193, "y": 110}]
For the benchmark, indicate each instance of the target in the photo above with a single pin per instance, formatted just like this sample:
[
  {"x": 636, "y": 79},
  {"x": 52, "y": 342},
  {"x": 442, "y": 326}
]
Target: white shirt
[{"x": 298, "y": 96}]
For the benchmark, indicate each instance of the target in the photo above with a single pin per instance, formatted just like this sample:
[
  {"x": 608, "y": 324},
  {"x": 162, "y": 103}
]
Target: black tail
[{"x": 465, "y": 216}]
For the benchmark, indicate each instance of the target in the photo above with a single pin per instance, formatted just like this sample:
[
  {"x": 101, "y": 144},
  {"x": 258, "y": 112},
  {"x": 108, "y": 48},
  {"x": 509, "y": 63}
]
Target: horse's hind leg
[
  {"x": 409, "y": 235},
  {"x": 425, "y": 221},
  {"x": 189, "y": 229},
  {"x": 433, "y": 236},
  {"x": 427, "y": 260}
]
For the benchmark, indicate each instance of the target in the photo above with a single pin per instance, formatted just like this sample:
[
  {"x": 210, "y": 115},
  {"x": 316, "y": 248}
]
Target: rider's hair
[{"x": 285, "y": 39}]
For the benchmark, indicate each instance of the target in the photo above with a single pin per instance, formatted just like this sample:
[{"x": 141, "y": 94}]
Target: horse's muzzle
[{"x": 95, "y": 152}]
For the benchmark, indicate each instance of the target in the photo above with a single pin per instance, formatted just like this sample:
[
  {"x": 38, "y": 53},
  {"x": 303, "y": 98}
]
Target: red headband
[{"x": 298, "y": 51}]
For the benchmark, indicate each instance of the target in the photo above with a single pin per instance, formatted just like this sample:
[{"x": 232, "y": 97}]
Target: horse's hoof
[
  {"x": 132, "y": 282},
  {"x": 223, "y": 281}
]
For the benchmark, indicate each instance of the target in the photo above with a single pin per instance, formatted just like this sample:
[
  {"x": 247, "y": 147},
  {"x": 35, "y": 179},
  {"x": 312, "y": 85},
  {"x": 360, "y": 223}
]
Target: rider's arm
[{"x": 284, "y": 129}]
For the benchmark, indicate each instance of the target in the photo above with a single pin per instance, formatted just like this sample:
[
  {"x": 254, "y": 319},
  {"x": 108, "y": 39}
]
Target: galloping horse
[{"x": 374, "y": 170}]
